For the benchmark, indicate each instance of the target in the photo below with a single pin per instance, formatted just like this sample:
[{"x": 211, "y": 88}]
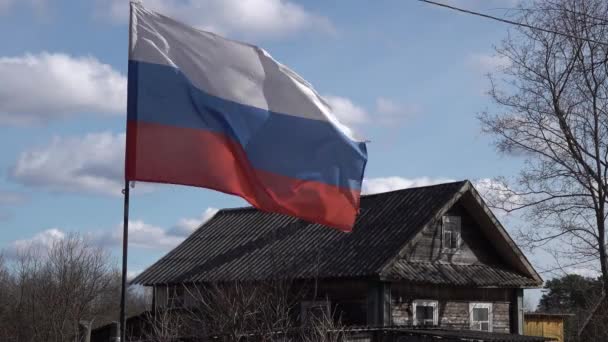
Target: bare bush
[
  {"x": 164, "y": 325},
  {"x": 238, "y": 309},
  {"x": 45, "y": 294},
  {"x": 242, "y": 311},
  {"x": 323, "y": 328}
]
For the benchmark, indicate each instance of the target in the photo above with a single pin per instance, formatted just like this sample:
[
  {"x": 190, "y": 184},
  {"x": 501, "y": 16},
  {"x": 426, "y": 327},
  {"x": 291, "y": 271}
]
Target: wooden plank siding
[
  {"x": 455, "y": 314},
  {"x": 474, "y": 248},
  {"x": 544, "y": 325},
  {"x": 453, "y": 304}
]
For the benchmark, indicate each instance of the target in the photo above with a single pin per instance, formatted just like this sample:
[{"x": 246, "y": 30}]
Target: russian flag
[{"x": 210, "y": 112}]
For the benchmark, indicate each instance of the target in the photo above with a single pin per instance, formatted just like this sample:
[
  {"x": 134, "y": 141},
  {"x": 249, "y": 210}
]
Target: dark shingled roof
[
  {"x": 438, "y": 273},
  {"x": 248, "y": 244}
]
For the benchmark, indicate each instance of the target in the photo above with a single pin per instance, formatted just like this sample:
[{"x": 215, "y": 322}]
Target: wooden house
[{"x": 433, "y": 256}]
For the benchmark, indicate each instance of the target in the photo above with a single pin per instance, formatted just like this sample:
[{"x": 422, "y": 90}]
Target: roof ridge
[
  {"x": 250, "y": 207},
  {"x": 418, "y": 187},
  {"x": 452, "y": 263}
]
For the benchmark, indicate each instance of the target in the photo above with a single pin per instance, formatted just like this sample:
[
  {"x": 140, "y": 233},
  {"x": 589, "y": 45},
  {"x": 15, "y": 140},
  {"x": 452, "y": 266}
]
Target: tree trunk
[{"x": 601, "y": 225}]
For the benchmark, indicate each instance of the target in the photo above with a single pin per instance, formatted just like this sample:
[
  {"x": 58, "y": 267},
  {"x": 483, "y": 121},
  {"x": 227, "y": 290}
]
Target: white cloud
[
  {"x": 346, "y": 111},
  {"x": 386, "y": 106},
  {"x": 390, "y": 111},
  {"x": 497, "y": 194},
  {"x": 144, "y": 235},
  {"x": 486, "y": 63},
  {"x": 186, "y": 226},
  {"x": 141, "y": 235},
  {"x": 40, "y": 242},
  {"x": 265, "y": 18},
  {"x": 93, "y": 163},
  {"x": 38, "y": 88},
  {"x": 386, "y": 111},
  {"x": 385, "y": 184}
]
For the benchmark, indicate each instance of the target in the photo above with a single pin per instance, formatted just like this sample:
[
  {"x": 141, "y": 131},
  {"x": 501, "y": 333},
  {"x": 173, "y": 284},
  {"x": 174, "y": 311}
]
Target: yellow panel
[{"x": 553, "y": 328}]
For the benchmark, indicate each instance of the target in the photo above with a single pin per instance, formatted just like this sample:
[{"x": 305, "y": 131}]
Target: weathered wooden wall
[
  {"x": 453, "y": 304},
  {"x": 455, "y": 314},
  {"x": 475, "y": 248}
]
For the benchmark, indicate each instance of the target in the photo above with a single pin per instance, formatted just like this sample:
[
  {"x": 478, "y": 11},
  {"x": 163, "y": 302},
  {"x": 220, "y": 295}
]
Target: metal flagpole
[
  {"x": 125, "y": 231},
  {"x": 125, "y": 243}
]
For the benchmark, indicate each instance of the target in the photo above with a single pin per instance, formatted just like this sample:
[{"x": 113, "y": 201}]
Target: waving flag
[{"x": 211, "y": 112}]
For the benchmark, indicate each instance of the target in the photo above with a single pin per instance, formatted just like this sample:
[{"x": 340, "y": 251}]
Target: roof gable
[
  {"x": 498, "y": 235},
  {"x": 474, "y": 247},
  {"x": 492, "y": 232}
]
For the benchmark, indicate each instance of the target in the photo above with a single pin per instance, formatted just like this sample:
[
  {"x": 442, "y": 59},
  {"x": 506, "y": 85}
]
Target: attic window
[{"x": 450, "y": 234}]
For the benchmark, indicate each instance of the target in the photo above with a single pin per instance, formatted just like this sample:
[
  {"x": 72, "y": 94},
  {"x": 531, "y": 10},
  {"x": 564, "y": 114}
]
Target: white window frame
[
  {"x": 472, "y": 323},
  {"x": 306, "y": 305},
  {"x": 458, "y": 230},
  {"x": 426, "y": 302}
]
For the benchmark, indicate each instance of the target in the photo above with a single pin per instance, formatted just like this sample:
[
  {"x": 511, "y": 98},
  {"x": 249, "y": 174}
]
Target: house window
[
  {"x": 450, "y": 237},
  {"x": 314, "y": 310},
  {"x": 481, "y": 316},
  {"x": 425, "y": 312}
]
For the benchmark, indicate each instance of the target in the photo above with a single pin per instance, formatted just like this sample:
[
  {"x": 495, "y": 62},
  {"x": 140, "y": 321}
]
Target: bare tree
[
  {"x": 5, "y": 300},
  {"x": 76, "y": 274},
  {"x": 553, "y": 100},
  {"x": 45, "y": 294}
]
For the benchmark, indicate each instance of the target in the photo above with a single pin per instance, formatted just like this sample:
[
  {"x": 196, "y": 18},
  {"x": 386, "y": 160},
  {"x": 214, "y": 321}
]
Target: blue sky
[{"x": 408, "y": 76}]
